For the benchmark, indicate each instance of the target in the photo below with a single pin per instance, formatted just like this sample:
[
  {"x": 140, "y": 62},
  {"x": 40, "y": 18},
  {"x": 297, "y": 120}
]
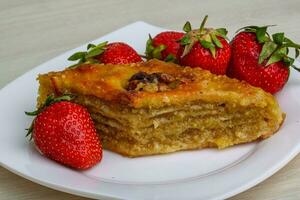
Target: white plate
[{"x": 202, "y": 174}]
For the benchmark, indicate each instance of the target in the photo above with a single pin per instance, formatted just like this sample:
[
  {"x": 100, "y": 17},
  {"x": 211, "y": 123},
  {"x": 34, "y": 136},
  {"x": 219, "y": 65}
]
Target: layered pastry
[{"x": 156, "y": 107}]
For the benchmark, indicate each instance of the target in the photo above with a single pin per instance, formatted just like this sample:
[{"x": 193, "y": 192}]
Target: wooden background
[{"x": 34, "y": 31}]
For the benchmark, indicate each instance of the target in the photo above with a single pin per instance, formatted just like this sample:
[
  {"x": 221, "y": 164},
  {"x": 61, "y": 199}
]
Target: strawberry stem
[{"x": 203, "y": 24}]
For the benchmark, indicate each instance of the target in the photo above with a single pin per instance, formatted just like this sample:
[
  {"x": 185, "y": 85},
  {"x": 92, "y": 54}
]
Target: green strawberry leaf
[
  {"x": 278, "y": 55},
  {"x": 185, "y": 40},
  {"x": 92, "y": 61},
  {"x": 187, "y": 48},
  {"x": 187, "y": 27},
  {"x": 206, "y": 38},
  {"x": 210, "y": 46},
  {"x": 103, "y": 44},
  {"x": 77, "y": 56},
  {"x": 261, "y": 34},
  {"x": 274, "y": 58},
  {"x": 206, "y": 44},
  {"x": 283, "y": 49},
  {"x": 82, "y": 60},
  {"x": 222, "y": 32},
  {"x": 288, "y": 61},
  {"x": 216, "y": 41},
  {"x": 278, "y": 38},
  {"x": 94, "y": 52},
  {"x": 170, "y": 58},
  {"x": 157, "y": 51},
  {"x": 213, "y": 51},
  {"x": 267, "y": 50},
  {"x": 83, "y": 56},
  {"x": 90, "y": 46},
  {"x": 290, "y": 43}
]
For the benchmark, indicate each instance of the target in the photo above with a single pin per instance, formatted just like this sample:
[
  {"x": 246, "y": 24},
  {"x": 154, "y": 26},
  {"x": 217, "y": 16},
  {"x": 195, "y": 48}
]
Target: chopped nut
[
  {"x": 166, "y": 78},
  {"x": 155, "y": 82}
]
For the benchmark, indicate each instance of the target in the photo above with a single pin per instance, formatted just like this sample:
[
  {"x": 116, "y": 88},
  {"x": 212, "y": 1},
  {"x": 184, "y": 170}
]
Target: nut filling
[{"x": 155, "y": 82}]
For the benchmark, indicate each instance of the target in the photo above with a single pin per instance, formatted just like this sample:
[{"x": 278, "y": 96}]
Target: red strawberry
[
  {"x": 118, "y": 53},
  {"x": 164, "y": 46},
  {"x": 260, "y": 60},
  {"x": 206, "y": 48},
  {"x": 64, "y": 131},
  {"x": 112, "y": 53}
]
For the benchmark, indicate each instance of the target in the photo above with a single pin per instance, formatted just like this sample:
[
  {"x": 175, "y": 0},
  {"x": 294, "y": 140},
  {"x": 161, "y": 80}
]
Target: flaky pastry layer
[{"x": 204, "y": 110}]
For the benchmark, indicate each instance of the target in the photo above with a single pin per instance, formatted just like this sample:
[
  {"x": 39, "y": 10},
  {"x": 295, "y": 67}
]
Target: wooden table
[{"x": 33, "y": 31}]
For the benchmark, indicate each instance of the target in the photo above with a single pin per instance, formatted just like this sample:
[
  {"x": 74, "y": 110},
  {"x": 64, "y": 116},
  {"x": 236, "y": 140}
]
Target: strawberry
[
  {"x": 64, "y": 131},
  {"x": 205, "y": 47},
  {"x": 164, "y": 46},
  {"x": 119, "y": 53},
  {"x": 261, "y": 60},
  {"x": 107, "y": 53}
]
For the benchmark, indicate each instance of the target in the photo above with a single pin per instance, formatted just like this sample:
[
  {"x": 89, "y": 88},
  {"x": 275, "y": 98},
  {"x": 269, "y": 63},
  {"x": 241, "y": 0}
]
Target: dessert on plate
[{"x": 157, "y": 107}]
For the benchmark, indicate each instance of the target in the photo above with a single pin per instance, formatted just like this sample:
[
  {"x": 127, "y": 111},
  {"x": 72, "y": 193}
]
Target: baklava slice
[{"x": 157, "y": 107}]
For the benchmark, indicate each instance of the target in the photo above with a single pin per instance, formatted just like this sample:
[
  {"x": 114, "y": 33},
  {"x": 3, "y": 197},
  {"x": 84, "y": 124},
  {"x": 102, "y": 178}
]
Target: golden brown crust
[{"x": 108, "y": 82}]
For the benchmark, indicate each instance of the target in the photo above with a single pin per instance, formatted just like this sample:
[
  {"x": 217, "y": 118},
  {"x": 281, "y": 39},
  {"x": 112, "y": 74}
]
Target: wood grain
[{"x": 35, "y": 31}]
